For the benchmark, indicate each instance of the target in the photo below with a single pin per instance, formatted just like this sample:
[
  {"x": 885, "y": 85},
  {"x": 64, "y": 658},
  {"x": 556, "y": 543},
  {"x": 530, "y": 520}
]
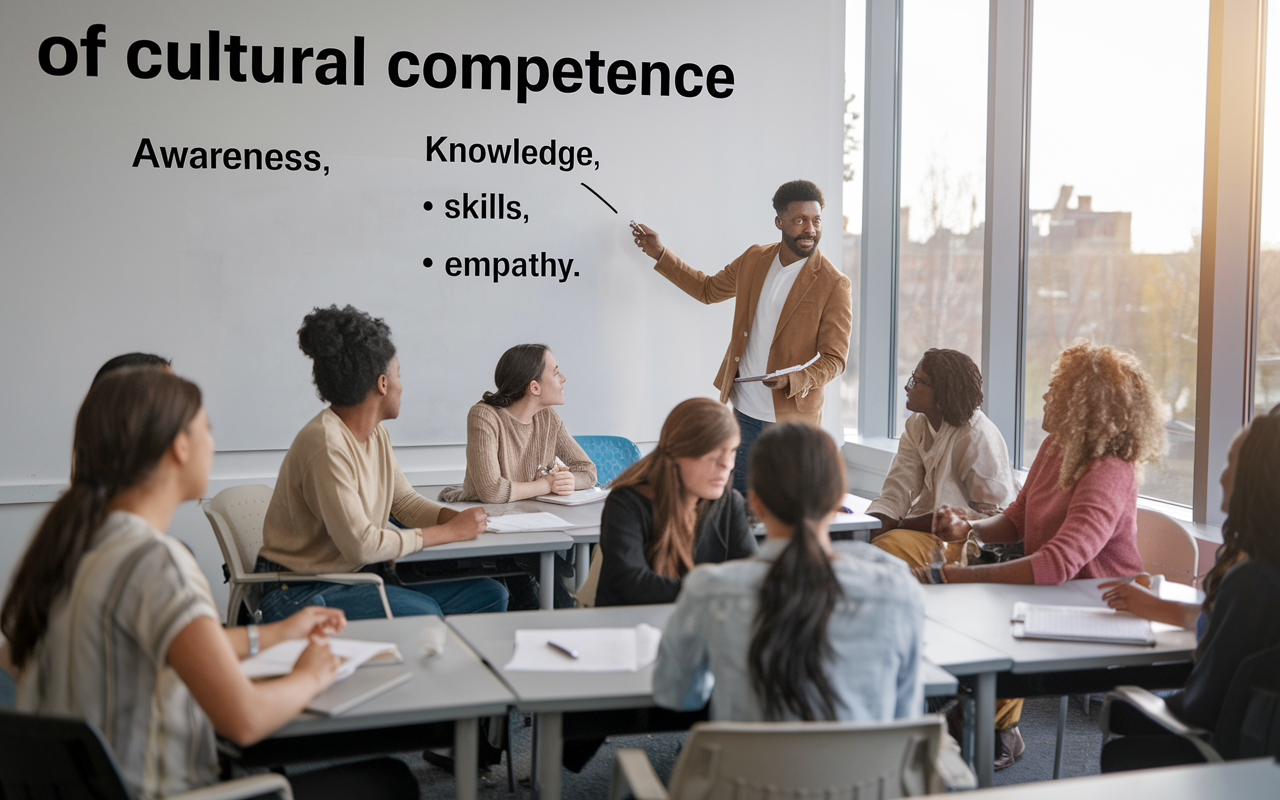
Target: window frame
[{"x": 1229, "y": 254}]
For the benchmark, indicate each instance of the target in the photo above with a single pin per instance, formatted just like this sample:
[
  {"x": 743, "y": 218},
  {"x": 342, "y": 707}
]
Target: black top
[
  {"x": 626, "y": 534},
  {"x": 1246, "y": 620}
]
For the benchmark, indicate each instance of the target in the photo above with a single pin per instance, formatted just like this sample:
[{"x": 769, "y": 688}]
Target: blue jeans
[
  {"x": 470, "y": 596},
  {"x": 750, "y": 429}
]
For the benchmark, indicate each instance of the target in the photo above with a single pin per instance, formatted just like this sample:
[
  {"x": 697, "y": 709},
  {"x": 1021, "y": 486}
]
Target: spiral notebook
[{"x": 1080, "y": 624}]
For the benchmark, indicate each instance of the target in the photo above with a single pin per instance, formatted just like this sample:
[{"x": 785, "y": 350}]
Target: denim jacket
[{"x": 875, "y": 633}]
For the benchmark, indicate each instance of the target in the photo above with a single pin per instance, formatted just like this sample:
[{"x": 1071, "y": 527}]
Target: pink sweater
[{"x": 1087, "y": 531}]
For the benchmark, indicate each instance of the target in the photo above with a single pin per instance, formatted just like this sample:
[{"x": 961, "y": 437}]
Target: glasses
[{"x": 913, "y": 382}]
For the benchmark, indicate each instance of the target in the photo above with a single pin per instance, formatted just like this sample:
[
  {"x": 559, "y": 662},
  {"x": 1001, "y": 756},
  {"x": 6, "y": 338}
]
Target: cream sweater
[
  {"x": 333, "y": 498},
  {"x": 502, "y": 449}
]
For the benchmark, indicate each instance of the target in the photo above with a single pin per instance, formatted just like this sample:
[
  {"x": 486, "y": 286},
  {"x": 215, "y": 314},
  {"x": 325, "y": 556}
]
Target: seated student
[
  {"x": 340, "y": 483},
  {"x": 673, "y": 509},
  {"x": 517, "y": 445},
  {"x": 110, "y": 620},
  {"x": 1077, "y": 513},
  {"x": 1242, "y": 602},
  {"x": 802, "y": 631},
  {"x": 950, "y": 453}
]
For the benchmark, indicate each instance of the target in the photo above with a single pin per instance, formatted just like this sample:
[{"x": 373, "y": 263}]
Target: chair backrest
[
  {"x": 610, "y": 454},
  {"x": 1167, "y": 548},
  {"x": 781, "y": 760},
  {"x": 56, "y": 757},
  {"x": 236, "y": 515},
  {"x": 1249, "y": 723}
]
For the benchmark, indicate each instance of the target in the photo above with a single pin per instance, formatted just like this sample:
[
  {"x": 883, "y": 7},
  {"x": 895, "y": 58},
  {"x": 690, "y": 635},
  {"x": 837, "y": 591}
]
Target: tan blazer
[{"x": 816, "y": 319}]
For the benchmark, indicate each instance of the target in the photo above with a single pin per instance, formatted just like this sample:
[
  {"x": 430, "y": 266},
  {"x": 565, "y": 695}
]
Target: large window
[
  {"x": 855, "y": 23},
  {"x": 1116, "y": 177},
  {"x": 1266, "y": 381},
  {"x": 942, "y": 182}
]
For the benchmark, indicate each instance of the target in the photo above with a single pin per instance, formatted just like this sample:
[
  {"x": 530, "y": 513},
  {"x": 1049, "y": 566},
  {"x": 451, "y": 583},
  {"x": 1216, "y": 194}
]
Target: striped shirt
[{"x": 104, "y": 657}]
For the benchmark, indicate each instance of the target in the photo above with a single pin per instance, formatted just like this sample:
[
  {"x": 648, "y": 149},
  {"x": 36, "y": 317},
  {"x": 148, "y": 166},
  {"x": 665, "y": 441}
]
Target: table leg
[
  {"x": 967, "y": 729},
  {"x": 985, "y": 720},
  {"x": 466, "y": 744},
  {"x": 546, "y": 576},
  {"x": 581, "y": 564},
  {"x": 550, "y": 751}
]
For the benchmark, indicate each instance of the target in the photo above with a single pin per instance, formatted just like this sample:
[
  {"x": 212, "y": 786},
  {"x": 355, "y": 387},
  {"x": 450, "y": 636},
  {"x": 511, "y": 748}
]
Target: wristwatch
[
  {"x": 935, "y": 572},
  {"x": 253, "y": 639}
]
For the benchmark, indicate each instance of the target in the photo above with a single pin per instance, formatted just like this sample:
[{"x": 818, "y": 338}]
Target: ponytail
[
  {"x": 516, "y": 369},
  {"x": 796, "y": 472},
  {"x": 123, "y": 429}
]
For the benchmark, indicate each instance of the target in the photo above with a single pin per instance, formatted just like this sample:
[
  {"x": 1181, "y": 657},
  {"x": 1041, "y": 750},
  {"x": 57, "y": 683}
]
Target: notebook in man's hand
[{"x": 1080, "y": 624}]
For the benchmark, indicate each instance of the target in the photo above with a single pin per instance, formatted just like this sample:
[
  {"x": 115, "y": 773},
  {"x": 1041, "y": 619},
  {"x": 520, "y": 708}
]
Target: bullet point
[
  {"x": 426, "y": 262},
  {"x": 426, "y": 206}
]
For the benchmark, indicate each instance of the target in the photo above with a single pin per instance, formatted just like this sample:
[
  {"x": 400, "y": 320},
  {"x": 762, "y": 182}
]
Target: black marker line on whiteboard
[{"x": 602, "y": 200}]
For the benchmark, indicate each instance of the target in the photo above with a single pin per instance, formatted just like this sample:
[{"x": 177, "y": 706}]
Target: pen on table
[{"x": 568, "y": 651}]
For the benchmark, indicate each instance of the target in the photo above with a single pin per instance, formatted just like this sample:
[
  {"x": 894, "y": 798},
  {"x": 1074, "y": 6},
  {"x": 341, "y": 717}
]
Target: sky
[{"x": 1117, "y": 110}]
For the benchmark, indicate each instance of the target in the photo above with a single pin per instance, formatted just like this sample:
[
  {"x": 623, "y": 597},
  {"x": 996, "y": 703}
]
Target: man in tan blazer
[{"x": 790, "y": 305}]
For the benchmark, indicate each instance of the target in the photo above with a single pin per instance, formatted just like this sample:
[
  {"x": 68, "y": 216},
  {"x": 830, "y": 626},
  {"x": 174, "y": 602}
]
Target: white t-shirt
[
  {"x": 105, "y": 657},
  {"x": 755, "y": 399}
]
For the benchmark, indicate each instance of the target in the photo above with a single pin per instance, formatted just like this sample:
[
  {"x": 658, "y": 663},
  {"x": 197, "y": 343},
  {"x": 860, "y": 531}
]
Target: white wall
[{"x": 216, "y": 268}]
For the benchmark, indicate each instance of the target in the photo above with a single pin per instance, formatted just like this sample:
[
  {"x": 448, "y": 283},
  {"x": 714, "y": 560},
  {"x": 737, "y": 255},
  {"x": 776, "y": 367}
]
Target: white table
[
  {"x": 550, "y": 694},
  {"x": 545, "y": 543},
  {"x": 453, "y": 686},
  {"x": 583, "y": 527},
  {"x": 1234, "y": 779},
  {"x": 980, "y": 612}
]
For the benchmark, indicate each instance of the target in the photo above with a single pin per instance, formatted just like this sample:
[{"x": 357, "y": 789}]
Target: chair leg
[
  {"x": 511, "y": 755},
  {"x": 1062, "y": 733}
]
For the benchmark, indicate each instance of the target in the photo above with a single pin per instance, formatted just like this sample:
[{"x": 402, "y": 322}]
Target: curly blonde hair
[{"x": 1101, "y": 403}]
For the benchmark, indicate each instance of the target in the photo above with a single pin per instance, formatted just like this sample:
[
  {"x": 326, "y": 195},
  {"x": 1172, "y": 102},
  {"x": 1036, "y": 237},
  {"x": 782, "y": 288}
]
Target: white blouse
[{"x": 965, "y": 466}]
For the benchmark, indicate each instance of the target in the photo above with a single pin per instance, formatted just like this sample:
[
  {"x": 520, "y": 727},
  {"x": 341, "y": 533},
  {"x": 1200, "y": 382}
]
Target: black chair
[
  {"x": 66, "y": 759},
  {"x": 1248, "y": 725}
]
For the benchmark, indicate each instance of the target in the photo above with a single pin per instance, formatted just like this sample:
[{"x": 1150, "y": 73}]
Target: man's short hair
[
  {"x": 131, "y": 360},
  {"x": 797, "y": 192}
]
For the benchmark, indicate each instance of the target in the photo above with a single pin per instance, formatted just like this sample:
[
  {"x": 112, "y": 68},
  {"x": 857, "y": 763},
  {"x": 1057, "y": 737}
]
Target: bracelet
[{"x": 253, "y": 639}]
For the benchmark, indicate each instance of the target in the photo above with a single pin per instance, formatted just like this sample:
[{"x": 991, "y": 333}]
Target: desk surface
[
  {"x": 981, "y": 611},
  {"x": 494, "y": 544},
  {"x": 493, "y": 637},
  {"x": 959, "y": 654},
  {"x": 449, "y": 686},
  {"x": 1255, "y": 778}
]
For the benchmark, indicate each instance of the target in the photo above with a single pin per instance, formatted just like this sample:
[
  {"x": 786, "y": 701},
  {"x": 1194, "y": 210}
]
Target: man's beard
[{"x": 790, "y": 242}]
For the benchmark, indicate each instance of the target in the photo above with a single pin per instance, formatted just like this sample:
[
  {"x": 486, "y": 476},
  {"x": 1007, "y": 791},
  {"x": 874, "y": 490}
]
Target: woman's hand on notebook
[
  {"x": 465, "y": 526},
  {"x": 310, "y": 621},
  {"x": 561, "y": 481},
  {"x": 318, "y": 663}
]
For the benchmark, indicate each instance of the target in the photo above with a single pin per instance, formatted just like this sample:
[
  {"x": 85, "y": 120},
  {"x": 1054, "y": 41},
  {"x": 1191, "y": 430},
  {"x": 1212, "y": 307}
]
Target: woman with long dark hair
[
  {"x": 674, "y": 508},
  {"x": 110, "y": 620},
  {"x": 1241, "y": 604},
  {"x": 802, "y": 631},
  {"x": 517, "y": 445}
]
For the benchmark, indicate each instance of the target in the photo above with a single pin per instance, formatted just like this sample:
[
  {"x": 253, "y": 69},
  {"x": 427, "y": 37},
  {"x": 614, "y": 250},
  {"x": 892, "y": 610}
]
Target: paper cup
[{"x": 432, "y": 637}]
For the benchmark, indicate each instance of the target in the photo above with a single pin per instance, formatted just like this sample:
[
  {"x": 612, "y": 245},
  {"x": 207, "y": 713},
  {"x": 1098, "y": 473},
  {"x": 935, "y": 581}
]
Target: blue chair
[{"x": 610, "y": 454}]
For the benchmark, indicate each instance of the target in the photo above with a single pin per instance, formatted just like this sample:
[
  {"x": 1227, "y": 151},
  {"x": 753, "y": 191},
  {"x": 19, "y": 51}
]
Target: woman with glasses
[{"x": 950, "y": 454}]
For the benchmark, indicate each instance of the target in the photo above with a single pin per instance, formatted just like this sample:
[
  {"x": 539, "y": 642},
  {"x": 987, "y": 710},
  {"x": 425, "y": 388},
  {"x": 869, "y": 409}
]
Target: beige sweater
[
  {"x": 332, "y": 500},
  {"x": 501, "y": 449}
]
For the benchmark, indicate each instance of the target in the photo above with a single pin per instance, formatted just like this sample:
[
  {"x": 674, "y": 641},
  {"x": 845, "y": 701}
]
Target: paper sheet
[
  {"x": 520, "y": 523},
  {"x": 786, "y": 371},
  {"x": 279, "y": 659},
  {"x": 599, "y": 649},
  {"x": 581, "y": 497}
]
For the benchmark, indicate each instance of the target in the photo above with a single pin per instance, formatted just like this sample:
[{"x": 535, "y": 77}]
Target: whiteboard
[{"x": 216, "y": 267}]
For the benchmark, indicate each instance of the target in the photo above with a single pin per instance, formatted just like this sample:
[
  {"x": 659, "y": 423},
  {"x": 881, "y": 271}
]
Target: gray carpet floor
[{"x": 1039, "y": 730}]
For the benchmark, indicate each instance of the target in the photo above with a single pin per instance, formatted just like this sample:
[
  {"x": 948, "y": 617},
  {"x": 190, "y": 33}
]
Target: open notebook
[
  {"x": 279, "y": 659},
  {"x": 1080, "y": 624}
]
